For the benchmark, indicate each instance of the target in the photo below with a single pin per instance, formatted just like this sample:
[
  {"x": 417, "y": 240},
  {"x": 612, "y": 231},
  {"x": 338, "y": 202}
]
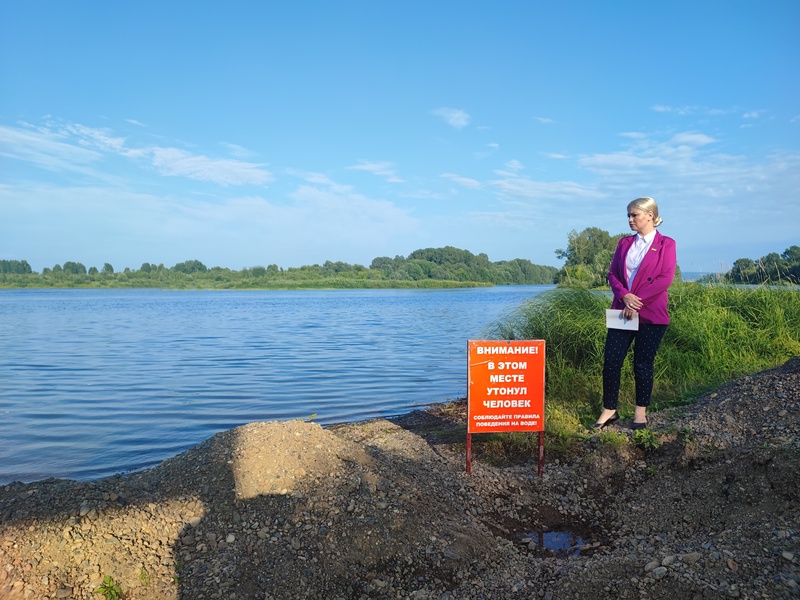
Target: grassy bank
[{"x": 717, "y": 333}]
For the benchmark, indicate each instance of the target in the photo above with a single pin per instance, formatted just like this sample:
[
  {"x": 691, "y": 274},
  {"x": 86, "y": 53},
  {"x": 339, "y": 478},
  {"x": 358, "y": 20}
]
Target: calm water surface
[{"x": 98, "y": 382}]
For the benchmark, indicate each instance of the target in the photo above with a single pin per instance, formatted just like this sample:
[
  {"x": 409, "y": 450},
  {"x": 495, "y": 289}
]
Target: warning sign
[{"x": 506, "y": 386}]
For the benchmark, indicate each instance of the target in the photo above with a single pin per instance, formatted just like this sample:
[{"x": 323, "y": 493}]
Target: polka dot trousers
[{"x": 618, "y": 341}]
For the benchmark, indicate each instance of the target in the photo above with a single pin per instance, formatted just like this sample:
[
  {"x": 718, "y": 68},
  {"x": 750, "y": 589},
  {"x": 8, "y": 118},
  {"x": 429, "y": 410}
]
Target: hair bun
[{"x": 658, "y": 221}]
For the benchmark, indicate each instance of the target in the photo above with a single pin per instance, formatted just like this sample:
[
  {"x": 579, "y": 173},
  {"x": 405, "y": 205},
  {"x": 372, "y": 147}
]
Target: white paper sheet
[{"x": 615, "y": 320}]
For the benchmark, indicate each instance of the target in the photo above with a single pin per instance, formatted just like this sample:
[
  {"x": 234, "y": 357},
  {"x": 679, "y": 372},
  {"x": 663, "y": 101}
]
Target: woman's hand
[
  {"x": 632, "y": 301},
  {"x": 628, "y": 313}
]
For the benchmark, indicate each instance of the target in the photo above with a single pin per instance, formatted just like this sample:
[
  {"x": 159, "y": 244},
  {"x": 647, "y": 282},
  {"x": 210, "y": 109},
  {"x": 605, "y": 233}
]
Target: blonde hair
[{"x": 647, "y": 204}]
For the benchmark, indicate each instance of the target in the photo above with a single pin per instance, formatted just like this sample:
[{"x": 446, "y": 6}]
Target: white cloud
[
  {"x": 236, "y": 150},
  {"x": 619, "y": 162},
  {"x": 683, "y": 111},
  {"x": 94, "y": 224},
  {"x": 319, "y": 179},
  {"x": 381, "y": 169},
  {"x": 102, "y": 139},
  {"x": 466, "y": 182},
  {"x": 503, "y": 220},
  {"x": 176, "y": 162},
  {"x": 73, "y": 147},
  {"x": 524, "y": 187},
  {"x": 544, "y": 120},
  {"x": 45, "y": 149},
  {"x": 514, "y": 165},
  {"x": 453, "y": 116},
  {"x": 692, "y": 139}
]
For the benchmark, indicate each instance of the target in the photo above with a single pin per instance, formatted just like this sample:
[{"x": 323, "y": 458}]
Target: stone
[
  {"x": 652, "y": 565},
  {"x": 659, "y": 572}
]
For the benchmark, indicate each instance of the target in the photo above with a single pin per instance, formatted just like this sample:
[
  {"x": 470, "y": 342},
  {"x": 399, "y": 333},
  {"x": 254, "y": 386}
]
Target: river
[{"x": 99, "y": 382}]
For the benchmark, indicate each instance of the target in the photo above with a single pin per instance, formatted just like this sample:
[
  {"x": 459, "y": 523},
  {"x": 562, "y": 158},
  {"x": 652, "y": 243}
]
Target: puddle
[
  {"x": 558, "y": 542},
  {"x": 545, "y": 532}
]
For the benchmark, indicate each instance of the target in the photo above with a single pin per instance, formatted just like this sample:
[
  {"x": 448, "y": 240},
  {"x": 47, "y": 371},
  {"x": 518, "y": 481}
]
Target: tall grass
[{"x": 717, "y": 333}]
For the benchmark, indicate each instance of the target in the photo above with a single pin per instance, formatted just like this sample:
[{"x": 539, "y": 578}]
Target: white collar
[{"x": 647, "y": 238}]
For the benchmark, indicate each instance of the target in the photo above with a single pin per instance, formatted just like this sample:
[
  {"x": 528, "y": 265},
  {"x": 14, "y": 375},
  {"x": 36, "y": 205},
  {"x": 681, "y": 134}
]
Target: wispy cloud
[
  {"x": 453, "y": 116},
  {"x": 46, "y": 150},
  {"x": 179, "y": 163},
  {"x": 691, "y": 139},
  {"x": 466, "y": 182},
  {"x": 510, "y": 220},
  {"x": 64, "y": 147},
  {"x": 320, "y": 179},
  {"x": 544, "y": 120},
  {"x": 646, "y": 155},
  {"x": 525, "y": 187},
  {"x": 619, "y": 162},
  {"x": 236, "y": 150},
  {"x": 691, "y": 110},
  {"x": 92, "y": 137},
  {"x": 381, "y": 169}
]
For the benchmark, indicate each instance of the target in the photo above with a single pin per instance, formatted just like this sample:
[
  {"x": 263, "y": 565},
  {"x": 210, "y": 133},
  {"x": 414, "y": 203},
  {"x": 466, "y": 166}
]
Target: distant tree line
[
  {"x": 773, "y": 268},
  {"x": 430, "y": 267}
]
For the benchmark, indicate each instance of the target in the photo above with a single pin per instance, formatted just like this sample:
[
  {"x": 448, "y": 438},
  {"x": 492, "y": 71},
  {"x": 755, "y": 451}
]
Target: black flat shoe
[
  {"x": 608, "y": 421},
  {"x": 637, "y": 426}
]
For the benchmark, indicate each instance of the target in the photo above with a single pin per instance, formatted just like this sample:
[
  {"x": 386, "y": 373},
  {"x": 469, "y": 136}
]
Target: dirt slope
[{"x": 384, "y": 509}]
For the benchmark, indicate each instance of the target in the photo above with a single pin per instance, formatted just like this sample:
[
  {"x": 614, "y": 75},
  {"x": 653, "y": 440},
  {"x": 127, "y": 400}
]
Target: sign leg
[
  {"x": 469, "y": 454},
  {"x": 541, "y": 453}
]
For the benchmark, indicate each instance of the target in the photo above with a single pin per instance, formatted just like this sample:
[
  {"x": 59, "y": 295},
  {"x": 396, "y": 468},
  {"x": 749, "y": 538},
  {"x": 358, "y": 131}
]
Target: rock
[
  {"x": 652, "y": 565},
  {"x": 691, "y": 557}
]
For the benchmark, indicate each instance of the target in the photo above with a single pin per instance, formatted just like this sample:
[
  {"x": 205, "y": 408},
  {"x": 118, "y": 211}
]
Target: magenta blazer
[{"x": 654, "y": 276}]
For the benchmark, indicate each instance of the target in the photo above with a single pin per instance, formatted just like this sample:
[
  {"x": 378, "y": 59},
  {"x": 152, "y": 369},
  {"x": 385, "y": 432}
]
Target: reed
[{"x": 717, "y": 333}]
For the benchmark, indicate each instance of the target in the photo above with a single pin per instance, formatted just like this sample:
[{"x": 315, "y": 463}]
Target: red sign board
[{"x": 506, "y": 386}]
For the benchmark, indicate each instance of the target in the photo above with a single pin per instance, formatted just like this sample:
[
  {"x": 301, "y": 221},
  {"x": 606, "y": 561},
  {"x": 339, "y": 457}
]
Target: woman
[{"x": 641, "y": 271}]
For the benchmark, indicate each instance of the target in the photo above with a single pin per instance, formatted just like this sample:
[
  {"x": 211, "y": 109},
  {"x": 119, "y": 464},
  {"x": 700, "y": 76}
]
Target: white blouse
[{"x": 636, "y": 254}]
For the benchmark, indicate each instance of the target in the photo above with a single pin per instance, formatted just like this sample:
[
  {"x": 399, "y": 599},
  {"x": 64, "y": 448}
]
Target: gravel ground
[{"x": 384, "y": 509}]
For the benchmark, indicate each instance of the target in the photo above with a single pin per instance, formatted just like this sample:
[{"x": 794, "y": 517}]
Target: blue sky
[{"x": 291, "y": 133}]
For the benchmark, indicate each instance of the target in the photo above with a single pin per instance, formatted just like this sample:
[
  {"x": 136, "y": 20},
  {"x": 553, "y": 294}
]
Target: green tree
[
  {"x": 19, "y": 267},
  {"x": 774, "y": 267},
  {"x": 792, "y": 257},
  {"x": 744, "y": 270},
  {"x": 74, "y": 268},
  {"x": 587, "y": 257},
  {"x": 108, "y": 269},
  {"x": 190, "y": 266}
]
